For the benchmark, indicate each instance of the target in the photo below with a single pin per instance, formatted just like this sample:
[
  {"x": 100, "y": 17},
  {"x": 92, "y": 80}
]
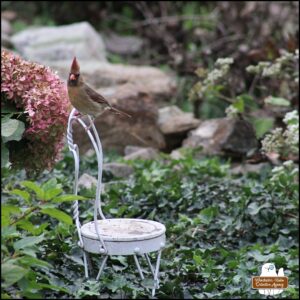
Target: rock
[
  {"x": 176, "y": 154},
  {"x": 123, "y": 45},
  {"x": 248, "y": 168},
  {"x": 8, "y": 15},
  {"x": 116, "y": 132},
  {"x": 175, "y": 124},
  {"x": 145, "y": 153},
  {"x": 60, "y": 43},
  {"x": 118, "y": 169},
  {"x": 5, "y": 27},
  {"x": 172, "y": 120},
  {"x": 6, "y": 41},
  {"x": 121, "y": 79},
  {"x": 87, "y": 181},
  {"x": 90, "y": 153},
  {"x": 131, "y": 149},
  {"x": 224, "y": 136}
]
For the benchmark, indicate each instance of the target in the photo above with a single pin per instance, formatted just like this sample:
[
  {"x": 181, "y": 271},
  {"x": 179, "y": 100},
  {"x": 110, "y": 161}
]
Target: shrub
[{"x": 31, "y": 95}]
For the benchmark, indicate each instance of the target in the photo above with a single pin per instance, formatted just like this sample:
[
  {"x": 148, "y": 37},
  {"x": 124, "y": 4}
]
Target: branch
[{"x": 29, "y": 211}]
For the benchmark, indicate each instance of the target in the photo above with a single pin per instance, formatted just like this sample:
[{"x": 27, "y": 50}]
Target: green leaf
[
  {"x": 197, "y": 259},
  {"x": 53, "y": 287},
  {"x": 248, "y": 101},
  {"x": 65, "y": 198},
  {"x": 254, "y": 209},
  {"x": 28, "y": 242},
  {"x": 260, "y": 257},
  {"x": 12, "y": 130},
  {"x": 278, "y": 101},
  {"x": 262, "y": 125},
  {"x": 207, "y": 214},
  {"x": 50, "y": 194},
  {"x": 32, "y": 261},
  {"x": 24, "y": 194},
  {"x": 12, "y": 273},
  {"x": 50, "y": 184},
  {"x": 34, "y": 187},
  {"x": 57, "y": 214},
  {"x": 4, "y": 155},
  {"x": 6, "y": 211},
  {"x": 239, "y": 105}
]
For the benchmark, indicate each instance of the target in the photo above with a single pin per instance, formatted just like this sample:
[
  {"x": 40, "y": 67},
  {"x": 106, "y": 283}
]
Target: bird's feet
[
  {"x": 91, "y": 124},
  {"x": 77, "y": 114}
]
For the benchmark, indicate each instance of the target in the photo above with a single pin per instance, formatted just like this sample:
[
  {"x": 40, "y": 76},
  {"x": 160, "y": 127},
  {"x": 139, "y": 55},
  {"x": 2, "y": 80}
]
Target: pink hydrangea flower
[{"x": 43, "y": 97}]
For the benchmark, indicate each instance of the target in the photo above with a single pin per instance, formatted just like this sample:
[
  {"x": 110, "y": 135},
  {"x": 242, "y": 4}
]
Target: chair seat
[{"x": 124, "y": 236}]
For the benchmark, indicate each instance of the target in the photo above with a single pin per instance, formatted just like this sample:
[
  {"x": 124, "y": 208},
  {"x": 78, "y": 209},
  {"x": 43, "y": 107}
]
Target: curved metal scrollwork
[{"x": 94, "y": 138}]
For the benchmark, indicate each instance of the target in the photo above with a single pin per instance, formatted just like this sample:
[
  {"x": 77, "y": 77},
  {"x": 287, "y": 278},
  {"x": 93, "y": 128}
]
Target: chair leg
[
  {"x": 85, "y": 261},
  {"x": 149, "y": 263},
  {"x": 102, "y": 266},
  {"x": 156, "y": 282},
  {"x": 138, "y": 267}
]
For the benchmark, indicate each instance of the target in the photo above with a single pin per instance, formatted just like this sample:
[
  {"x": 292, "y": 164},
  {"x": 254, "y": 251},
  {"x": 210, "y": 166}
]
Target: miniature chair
[{"x": 112, "y": 236}]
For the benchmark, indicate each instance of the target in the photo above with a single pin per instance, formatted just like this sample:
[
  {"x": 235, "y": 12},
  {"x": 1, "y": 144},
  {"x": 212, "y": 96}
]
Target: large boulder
[
  {"x": 175, "y": 124},
  {"x": 224, "y": 136},
  {"x": 6, "y": 31},
  {"x": 60, "y": 43},
  {"x": 118, "y": 169},
  {"x": 118, "y": 77},
  {"x": 116, "y": 132},
  {"x": 5, "y": 27},
  {"x": 123, "y": 45}
]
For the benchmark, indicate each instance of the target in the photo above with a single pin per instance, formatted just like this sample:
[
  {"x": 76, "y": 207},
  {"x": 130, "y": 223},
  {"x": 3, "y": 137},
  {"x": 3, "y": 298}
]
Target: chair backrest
[{"x": 94, "y": 138}]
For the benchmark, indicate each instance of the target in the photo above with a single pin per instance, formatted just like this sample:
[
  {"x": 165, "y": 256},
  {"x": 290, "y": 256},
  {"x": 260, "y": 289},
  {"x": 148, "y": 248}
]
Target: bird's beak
[{"x": 72, "y": 77}]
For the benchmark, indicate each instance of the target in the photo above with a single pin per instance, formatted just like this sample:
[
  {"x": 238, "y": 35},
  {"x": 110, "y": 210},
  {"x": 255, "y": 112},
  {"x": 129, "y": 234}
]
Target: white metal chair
[{"x": 109, "y": 237}]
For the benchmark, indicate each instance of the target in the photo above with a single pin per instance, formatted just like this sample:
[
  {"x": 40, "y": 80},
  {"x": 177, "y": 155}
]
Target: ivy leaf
[
  {"x": 12, "y": 130},
  {"x": 207, "y": 214},
  {"x": 58, "y": 214},
  {"x": 254, "y": 209},
  {"x": 260, "y": 257}
]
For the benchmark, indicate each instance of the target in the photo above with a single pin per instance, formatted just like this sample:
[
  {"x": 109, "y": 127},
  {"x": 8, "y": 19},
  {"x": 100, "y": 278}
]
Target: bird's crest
[{"x": 75, "y": 66}]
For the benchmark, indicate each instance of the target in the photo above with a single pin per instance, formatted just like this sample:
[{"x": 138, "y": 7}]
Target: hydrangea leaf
[{"x": 12, "y": 130}]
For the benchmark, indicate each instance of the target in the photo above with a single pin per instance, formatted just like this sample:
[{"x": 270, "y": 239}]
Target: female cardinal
[{"x": 84, "y": 98}]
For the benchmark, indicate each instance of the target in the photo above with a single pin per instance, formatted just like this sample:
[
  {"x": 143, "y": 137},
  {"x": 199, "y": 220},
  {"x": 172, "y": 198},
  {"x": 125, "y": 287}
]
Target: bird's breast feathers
[{"x": 81, "y": 101}]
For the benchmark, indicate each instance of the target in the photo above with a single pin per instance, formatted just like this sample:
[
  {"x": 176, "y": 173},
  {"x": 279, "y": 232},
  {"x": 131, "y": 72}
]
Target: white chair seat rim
[{"x": 123, "y": 229}]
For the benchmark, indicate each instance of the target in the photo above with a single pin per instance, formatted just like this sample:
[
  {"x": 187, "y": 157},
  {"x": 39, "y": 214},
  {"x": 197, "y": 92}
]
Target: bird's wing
[{"x": 95, "y": 96}]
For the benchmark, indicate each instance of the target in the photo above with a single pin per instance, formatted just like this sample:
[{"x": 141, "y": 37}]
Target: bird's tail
[{"x": 119, "y": 112}]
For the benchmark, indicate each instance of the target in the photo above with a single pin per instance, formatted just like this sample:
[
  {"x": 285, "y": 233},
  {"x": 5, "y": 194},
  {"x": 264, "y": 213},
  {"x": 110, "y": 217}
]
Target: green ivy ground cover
[{"x": 221, "y": 229}]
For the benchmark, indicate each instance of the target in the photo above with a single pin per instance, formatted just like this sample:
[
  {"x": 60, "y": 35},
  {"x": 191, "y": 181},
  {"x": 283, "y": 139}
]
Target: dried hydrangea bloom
[{"x": 42, "y": 96}]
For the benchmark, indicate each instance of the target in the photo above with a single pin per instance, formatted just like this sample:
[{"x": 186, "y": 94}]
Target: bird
[{"x": 85, "y": 99}]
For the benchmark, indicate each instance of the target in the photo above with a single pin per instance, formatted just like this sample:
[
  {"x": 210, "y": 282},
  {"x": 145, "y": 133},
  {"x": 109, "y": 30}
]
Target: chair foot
[
  {"x": 156, "y": 281},
  {"x": 85, "y": 261},
  {"x": 102, "y": 266}
]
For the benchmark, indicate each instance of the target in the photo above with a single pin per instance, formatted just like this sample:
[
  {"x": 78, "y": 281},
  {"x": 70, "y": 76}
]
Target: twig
[{"x": 29, "y": 211}]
